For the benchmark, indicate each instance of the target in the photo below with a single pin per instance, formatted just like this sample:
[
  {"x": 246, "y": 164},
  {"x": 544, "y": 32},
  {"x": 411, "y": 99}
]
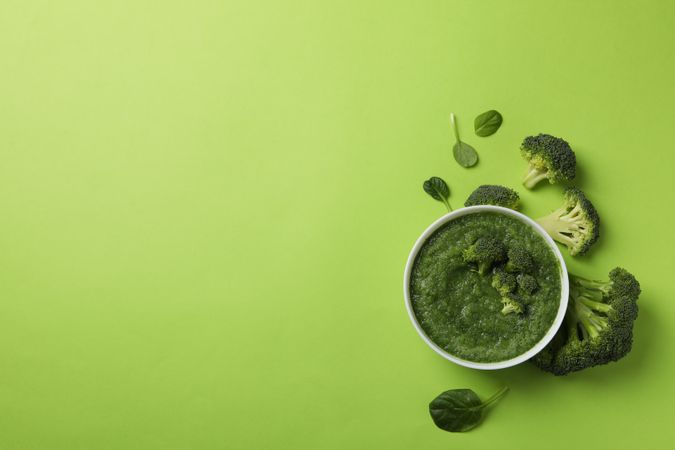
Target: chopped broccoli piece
[
  {"x": 492, "y": 194},
  {"x": 511, "y": 305},
  {"x": 598, "y": 324},
  {"x": 485, "y": 253},
  {"x": 505, "y": 283},
  {"x": 519, "y": 260},
  {"x": 576, "y": 224},
  {"x": 527, "y": 283},
  {"x": 549, "y": 158}
]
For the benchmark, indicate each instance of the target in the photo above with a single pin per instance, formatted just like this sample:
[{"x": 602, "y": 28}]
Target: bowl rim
[{"x": 564, "y": 288}]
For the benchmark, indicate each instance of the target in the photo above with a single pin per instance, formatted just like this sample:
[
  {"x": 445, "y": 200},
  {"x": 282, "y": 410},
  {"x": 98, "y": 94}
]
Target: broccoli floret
[
  {"x": 519, "y": 260},
  {"x": 527, "y": 283},
  {"x": 549, "y": 157},
  {"x": 598, "y": 324},
  {"x": 505, "y": 283},
  {"x": 511, "y": 305},
  {"x": 485, "y": 253},
  {"x": 492, "y": 194},
  {"x": 576, "y": 224}
]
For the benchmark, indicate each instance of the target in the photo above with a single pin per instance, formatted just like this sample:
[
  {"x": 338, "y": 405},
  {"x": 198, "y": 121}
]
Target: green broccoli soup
[{"x": 485, "y": 287}]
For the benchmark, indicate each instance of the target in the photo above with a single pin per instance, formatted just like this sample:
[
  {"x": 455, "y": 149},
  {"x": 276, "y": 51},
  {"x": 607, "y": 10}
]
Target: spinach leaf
[
  {"x": 438, "y": 190},
  {"x": 464, "y": 154},
  {"x": 487, "y": 123},
  {"x": 460, "y": 409}
]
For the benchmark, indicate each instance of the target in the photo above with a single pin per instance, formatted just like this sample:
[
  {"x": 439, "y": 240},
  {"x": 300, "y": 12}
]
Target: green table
[{"x": 207, "y": 207}]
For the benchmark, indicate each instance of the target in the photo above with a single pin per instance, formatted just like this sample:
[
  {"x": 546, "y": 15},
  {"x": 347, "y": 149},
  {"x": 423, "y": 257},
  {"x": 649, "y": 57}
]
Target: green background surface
[{"x": 207, "y": 207}]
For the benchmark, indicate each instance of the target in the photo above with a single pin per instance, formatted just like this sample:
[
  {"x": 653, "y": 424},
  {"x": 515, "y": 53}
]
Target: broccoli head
[
  {"x": 576, "y": 224},
  {"x": 549, "y": 158},
  {"x": 485, "y": 253},
  {"x": 493, "y": 194},
  {"x": 598, "y": 324},
  {"x": 504, "y": 282},
  {"x": 527, "y": 283},
  {"x": 519, "y": 260},
  {"x": 511, "y": 305}
]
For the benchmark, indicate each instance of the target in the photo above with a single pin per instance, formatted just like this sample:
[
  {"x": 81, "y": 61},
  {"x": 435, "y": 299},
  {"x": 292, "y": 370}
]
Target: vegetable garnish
[
  {"x": 438, "y": 190},
  {"x": 549, "y": 157},
  {"x": 598, "y": 326},
  {"x": 464, "y": 154},
  {"x": 460, "y": 409},
  {"x": 493, "y": 194},
  {"x": 487, "y": 123},
  {"x": 576, "y": 224}
]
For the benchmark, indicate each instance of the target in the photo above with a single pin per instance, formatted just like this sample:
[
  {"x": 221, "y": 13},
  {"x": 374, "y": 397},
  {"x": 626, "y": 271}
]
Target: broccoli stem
[
  {"x": 563, "y": 226},
  {"x": 589, "y": 294},
  {"x": 533, "y": 177},
  {"x": 603, "y": 286},
  {"x": 597, "y": 306},
  {"x": 572, "y": 324},
  {"x": 484, "y": 268},
  {"x": 572, "y": 214},
  {"x": 591, "y": 323},
  {"x": 588, "y": 328}
]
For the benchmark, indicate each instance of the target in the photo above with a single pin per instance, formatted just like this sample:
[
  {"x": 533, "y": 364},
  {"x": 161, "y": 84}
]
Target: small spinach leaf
[
  {"x": 487, "y": 123},
  {"x": 438, "y": 190},
  {"x": 460, "y": 409},
  {"x": 464, "y": 154}
]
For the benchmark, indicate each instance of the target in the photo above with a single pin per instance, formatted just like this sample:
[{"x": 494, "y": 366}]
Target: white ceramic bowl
[{"x": 563, "y": 291}]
